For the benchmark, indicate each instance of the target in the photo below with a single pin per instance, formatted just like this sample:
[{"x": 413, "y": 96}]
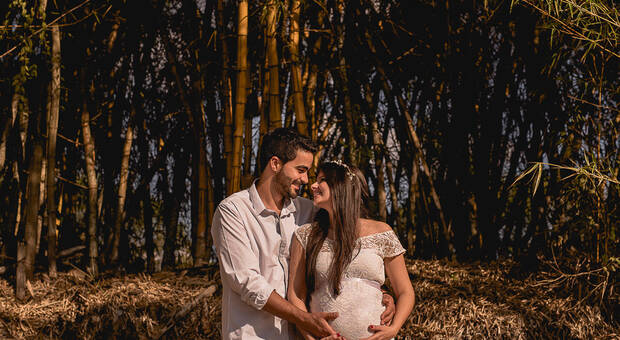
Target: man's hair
[{"x": 284, "y": 144}]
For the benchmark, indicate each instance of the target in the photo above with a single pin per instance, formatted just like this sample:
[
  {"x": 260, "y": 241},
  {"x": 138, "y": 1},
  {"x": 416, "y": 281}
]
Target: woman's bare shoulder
[{"x": 370, "y": 227}]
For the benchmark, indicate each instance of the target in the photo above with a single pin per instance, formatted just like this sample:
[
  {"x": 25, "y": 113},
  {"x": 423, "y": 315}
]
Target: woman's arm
[
  {"x": 296, "y": 293},
  {"x": 405, "y": 297}
]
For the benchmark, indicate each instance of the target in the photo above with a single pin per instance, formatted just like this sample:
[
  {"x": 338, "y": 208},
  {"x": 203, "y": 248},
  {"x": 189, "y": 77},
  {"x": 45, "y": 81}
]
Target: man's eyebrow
[{"x": 302, "y": 167}]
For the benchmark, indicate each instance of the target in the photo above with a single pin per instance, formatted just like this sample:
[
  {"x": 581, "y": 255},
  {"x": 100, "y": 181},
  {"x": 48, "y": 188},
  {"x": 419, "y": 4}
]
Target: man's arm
[
  {"x": 315, "y": 323},
  {"x": 239, "y": 267}
]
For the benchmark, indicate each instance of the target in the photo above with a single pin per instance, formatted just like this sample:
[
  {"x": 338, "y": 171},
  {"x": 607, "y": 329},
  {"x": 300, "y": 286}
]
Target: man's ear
[{"x": 275, "y": 164}]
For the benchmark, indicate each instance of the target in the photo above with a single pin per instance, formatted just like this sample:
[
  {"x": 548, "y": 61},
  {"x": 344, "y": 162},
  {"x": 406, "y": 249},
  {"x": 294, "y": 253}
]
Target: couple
[{"x": 331, "y": 260}]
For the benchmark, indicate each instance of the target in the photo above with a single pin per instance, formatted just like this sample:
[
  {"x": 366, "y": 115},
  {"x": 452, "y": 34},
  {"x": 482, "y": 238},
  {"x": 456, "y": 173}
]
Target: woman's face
[{"x": 320, "y": 192}]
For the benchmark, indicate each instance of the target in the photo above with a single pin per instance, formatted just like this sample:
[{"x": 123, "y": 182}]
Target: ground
[{"x": 453, "y": 301}]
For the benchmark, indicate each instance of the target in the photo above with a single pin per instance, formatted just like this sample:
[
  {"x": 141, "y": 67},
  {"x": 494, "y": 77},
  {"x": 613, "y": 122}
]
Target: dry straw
[{"x": 453, "y": 301}]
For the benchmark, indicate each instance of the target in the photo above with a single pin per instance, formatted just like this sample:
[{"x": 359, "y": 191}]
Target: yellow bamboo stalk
[
  {"x": 240, "y": 100},
  {"x": 298, "y": 99},
  {"x": 52, "y": 129},
  {"x": 227, "y": 93},
  {"x": 275, "y": 119}
]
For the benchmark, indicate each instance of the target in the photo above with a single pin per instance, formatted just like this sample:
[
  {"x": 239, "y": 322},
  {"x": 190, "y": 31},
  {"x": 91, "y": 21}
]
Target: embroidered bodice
[{"x": 359, "y": 301}]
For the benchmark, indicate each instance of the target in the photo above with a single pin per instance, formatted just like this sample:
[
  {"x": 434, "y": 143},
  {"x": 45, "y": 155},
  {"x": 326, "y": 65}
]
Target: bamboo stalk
[
  {"x": 227, "y": 92},
  {"x": 298, "y": 99},
  {"x": 275, "y": 107},
  {"x": 122, "y": 189},
  {"x": 52, "y": 129},
  {"x": 89, "y": 156},
  {"x": 240, "y": 101}
]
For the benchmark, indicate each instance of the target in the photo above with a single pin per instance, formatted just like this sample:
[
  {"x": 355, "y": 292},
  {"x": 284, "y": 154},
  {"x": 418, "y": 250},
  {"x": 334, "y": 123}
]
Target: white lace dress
[{"x": 359, "y": 302}]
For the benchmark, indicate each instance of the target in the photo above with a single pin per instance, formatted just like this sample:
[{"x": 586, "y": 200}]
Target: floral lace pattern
[
  {"x": 359, "y": 301},
  {"x": 386, "y": 243}
]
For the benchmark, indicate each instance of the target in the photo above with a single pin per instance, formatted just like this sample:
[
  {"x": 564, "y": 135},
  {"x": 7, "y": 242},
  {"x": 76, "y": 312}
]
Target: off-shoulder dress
[{"x": 359, "y": 302}]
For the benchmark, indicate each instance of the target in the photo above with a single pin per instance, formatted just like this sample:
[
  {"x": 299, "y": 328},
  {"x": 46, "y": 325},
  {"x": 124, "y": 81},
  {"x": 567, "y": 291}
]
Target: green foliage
[
  {"x": 593, "y": 24},
  {"x": 25, "y": 30},
  {"x": 589, "y": 199}
]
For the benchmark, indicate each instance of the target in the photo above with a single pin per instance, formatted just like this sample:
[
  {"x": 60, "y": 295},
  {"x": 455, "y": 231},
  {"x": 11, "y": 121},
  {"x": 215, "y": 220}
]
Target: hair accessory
[{"x": 338, "y": 162}]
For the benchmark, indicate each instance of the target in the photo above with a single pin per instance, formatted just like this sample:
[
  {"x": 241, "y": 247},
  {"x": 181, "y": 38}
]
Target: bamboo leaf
[{"x": 538, "y": 176}]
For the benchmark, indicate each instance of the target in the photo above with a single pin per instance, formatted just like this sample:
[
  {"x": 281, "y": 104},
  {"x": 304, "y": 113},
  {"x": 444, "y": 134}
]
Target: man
[{"x": 252, "y": 231}]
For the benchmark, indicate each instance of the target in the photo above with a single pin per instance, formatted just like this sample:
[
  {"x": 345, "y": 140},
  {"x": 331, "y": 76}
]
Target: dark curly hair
[{"x": 284, "y": 144}]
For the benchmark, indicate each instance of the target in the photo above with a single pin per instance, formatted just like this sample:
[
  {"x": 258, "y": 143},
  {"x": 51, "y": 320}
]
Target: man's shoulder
[
  {"x": 242, "y": 196},
  {"x": 302, "y": 202},
  {"x": 305, "y": 210}
]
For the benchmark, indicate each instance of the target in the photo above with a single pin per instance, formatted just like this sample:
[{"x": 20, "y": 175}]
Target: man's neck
[{"x": 270, "y": 196}]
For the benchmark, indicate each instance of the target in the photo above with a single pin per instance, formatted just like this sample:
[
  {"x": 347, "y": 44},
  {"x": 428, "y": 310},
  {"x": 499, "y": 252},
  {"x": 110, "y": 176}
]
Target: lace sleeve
[
  {"x": 302, "y": 233},
  {"x": 390, "y": 245}
]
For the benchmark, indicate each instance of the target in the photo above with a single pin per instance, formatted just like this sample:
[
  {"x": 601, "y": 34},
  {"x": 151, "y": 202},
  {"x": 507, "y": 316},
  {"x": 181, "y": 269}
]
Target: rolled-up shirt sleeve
[{"x": 239, "y": 264}]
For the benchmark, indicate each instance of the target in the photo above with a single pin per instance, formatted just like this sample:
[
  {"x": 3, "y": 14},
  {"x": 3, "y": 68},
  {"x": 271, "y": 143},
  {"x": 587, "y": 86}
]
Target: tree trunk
[
  {"x": 414, "y": 230},
  {"x": 227, "y": 89},
  {"x": 413, "y": 137},
  {"x": 8, "y": 124},
  {"x": 172, "y": 206},
  {"x": 351, "y": 149},
  {"x": 275, "y": 108},
  {"x": 111, "y": 143},
  {"x": 199, "y": 186},
  {"x": 378, "y": 150},
  {"x": 241, "y": 97},
  {"x": 26, "y": 248},
  {"x": 89, "y": 156},
  {"x": 119, "y": 217},
  {"x": 298, "y": 98},
  {"x": 247, "y": 153},
  {"x": 263, "y": 108},
  {"x": 52, "y": 129},
  {"x": 43, "y": 213},
  {"x": 395, "y": 213},
  {"x": 147, "y": 208}
]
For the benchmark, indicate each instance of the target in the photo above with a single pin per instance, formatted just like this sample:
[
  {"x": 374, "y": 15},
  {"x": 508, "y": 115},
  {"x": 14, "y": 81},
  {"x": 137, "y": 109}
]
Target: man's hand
[
  {"x": 316, "y": 323},
  {"x": 390, "y": 309}
]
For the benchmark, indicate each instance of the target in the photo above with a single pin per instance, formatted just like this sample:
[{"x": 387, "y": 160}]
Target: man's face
[{"x": 293, "y": 174}]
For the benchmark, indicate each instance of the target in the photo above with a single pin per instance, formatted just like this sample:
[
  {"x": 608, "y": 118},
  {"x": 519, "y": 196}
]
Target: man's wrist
[{"x": 299, "y": 317}]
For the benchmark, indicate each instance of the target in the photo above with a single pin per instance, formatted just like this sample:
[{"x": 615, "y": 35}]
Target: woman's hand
[
  {"x": 382, "y": 332},
  {"x": 334, "y": 337}
]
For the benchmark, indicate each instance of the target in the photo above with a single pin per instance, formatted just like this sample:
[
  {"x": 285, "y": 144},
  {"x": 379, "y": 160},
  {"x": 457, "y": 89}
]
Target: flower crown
[{"x": 338, "y": 162}]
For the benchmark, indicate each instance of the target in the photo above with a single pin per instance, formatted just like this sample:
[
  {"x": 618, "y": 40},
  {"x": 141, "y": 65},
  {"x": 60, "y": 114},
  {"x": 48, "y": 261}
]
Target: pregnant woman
[{"x": 338, "y": 263}]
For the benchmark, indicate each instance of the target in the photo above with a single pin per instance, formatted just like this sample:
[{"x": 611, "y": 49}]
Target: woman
[{"x": 339, "y": 262}]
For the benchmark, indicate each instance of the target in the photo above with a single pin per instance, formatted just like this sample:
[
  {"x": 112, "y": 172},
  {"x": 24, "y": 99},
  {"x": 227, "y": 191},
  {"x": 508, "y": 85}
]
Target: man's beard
[{"x": 284, "y": 184}]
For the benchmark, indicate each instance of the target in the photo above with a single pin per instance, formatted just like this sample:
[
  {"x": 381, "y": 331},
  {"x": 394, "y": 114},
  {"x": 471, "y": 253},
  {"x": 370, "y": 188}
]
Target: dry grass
[
  {"x": 454, "y": 301},
  {"x": 484, "y": 302},
  {"x": 134, "y": 307}
]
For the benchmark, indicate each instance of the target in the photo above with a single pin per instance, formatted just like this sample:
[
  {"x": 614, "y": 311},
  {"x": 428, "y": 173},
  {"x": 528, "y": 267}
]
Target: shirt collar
[{"x": 259, "y": 207}]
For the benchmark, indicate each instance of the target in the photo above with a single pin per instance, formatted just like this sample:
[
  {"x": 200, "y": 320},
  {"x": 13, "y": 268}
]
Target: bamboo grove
[{"x": 124, "y": 123}]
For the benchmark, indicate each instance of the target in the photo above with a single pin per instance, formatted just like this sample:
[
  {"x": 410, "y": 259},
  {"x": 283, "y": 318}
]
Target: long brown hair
[{"x": 346, "y": 185}]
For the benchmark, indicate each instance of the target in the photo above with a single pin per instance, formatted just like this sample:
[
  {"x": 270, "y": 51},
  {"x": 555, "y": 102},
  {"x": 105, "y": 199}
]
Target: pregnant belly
[{"x": 358, "y": 306}]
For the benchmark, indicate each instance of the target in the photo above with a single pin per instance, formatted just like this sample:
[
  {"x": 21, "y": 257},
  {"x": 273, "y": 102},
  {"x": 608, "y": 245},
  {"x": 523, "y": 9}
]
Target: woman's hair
[{"x": 347, "y": 187}]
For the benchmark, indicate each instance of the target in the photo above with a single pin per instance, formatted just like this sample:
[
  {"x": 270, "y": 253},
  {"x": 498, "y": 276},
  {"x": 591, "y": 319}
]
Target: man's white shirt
[{"x": 253, "y": 248}]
